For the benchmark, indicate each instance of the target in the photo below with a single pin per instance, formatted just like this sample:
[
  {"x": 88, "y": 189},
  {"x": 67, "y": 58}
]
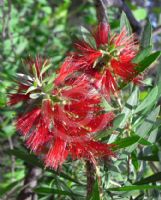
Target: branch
[
  {"x": 91, "y": 172},
  {"x": 134, "y": 23},
  {"x": 101, "y": 10},
  {"x": 102, "y": 5},
  {"x": 31, "y": 180},
  {"x": 157, "y": 30}
]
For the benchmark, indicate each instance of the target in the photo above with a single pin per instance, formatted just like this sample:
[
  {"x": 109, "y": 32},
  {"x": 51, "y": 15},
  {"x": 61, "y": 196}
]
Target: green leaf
[
  {"x": 9, "y": 187},
  {"x": 29, "y": 158},
  {"x": 135, "y": 187},
  {"x": 117, "y": 121},
  {"x": 9, "y": 130},
  {"x": 144, "y": 142},
  {"x": 34, "y": 70},
  {"x": 125, "y": 142},
  {"x": 153, "y": 135},
  {"x": 142, "y": 55},
  {"x": 149, "y": 100},
  {"x": 35, "y": 73},
  {"x": 95, "y": 192},
  {"x": 45, "y": 68},
  {"x": 124, "y": 23},
  {"x": 87, "y": 37},
  {"x": 107, "y": 107},
  {"x": 104, "y": 134},
  {"x": 151, "y": 179},
  {"x": 140, "y": 13},
  {"x": 50, "y": 79},
  {"x": 149, "y": 158},
  {"x": 46, "y": 190},
  {"x": 47, "y": 9},
  {"x": 146, "y": 36},
  {"x": 48, "y": 87},
  {"x": 148, "y": 61},
  {"x": 27, "y": 80},
  {"x": 134, "y": 160},
  {"x": 126, "y": 112},
  {"x": 129, "y": 106},
  {"x": 23, "y": 44},
  {"x": 148, "y": 122},
  {"x": 146, "y": 126},
  {"x": 30, "y": 89}
]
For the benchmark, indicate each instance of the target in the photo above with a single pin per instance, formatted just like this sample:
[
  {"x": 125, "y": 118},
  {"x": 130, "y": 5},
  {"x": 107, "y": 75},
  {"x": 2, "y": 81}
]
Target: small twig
[
  {"x": 128, "y": 167},
  {"x": 101, "y": 11},
  {"x": 31, "y": 180},
  {"x": 101, "y": 8},
  {"x": 118, "y": 100},
  {"x": 134, "y": 23},
  {"x": 91, "y": 171},
  {"x": 153, "y": 167},
  {"x": 157, "y": 31},
  {"x": 8, "y": 26},
  {"x": 12, "y": 157},
  {"x": 115, "y": 183},
  {"x": 99, "y": 181}
]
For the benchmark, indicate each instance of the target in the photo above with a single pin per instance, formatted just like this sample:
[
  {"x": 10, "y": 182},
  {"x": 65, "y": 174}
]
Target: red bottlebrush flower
[
  {"x": 57, "y": 153},
  {"x": 108, "y": 62},
  {"x": 83, "y": 150},
  {"x": 101, "y": 34},
  {"x": 26, "y": 81},
  {"x": 66, "y": 70},
  {"x": 19, "y": 95},
  {"x": 86, "y": 55},
  {"x": 25, "y": 122},
  {"x": 38, "y": 63},
  {"x": 64, "y": 122},
  {"x": 39, "y": 136},
  {"x": 66, "y": 133},
  {"x": 14, "y": 99}
]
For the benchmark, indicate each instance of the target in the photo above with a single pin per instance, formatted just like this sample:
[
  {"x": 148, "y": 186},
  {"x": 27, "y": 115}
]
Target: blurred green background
[{"x": 47, "y": 27}]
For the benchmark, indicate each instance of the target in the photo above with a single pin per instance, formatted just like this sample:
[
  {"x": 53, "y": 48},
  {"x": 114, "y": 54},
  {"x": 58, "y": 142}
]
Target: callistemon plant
[
  {"x": 104, "y": 56},
  {"x": 60, "y": 121},
  {"x": 65, "y": 111},
  {"x": 107, "y": 58}
]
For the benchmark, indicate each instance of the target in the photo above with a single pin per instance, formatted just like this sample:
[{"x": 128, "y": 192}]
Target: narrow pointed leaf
[
  {"x": 47, "y": 190},
  {"x": 142, "y": 55},
  {"x": 151, "y": 179},
  {"x": 148, "y": 61},
  {"x": 149, "y": 100},
  {"x": 149, "y": 158},
  {"x": 135, "y": 187},
  {"x": 124, "y": 22},
  {"x": 87, "y": 37},
  {"x": 95, "y": 192},
  {"x": 146, "y": 36}
]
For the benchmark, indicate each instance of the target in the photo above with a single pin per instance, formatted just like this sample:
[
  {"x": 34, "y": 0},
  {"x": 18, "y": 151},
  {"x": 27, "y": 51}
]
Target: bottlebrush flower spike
[
  {"x": 30, "y": 82},
  {"x": 19, "y": 96},
  {"x": 101, "y": 34},
  {"x": 62, "y": 121},
  {"x": 108, "y": 63}
]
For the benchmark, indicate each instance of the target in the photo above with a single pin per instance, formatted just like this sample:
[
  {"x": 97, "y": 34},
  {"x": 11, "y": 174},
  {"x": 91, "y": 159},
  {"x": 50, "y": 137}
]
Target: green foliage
[
  {"x": 146, "y": 40},
  {"x": 140, "y": 13}
]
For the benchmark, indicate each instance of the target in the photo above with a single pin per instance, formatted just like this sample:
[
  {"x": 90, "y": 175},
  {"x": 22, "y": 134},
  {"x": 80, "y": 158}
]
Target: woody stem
[
  {"x": 91, "y": 171},
  {"x": 93, "y": 174}
]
